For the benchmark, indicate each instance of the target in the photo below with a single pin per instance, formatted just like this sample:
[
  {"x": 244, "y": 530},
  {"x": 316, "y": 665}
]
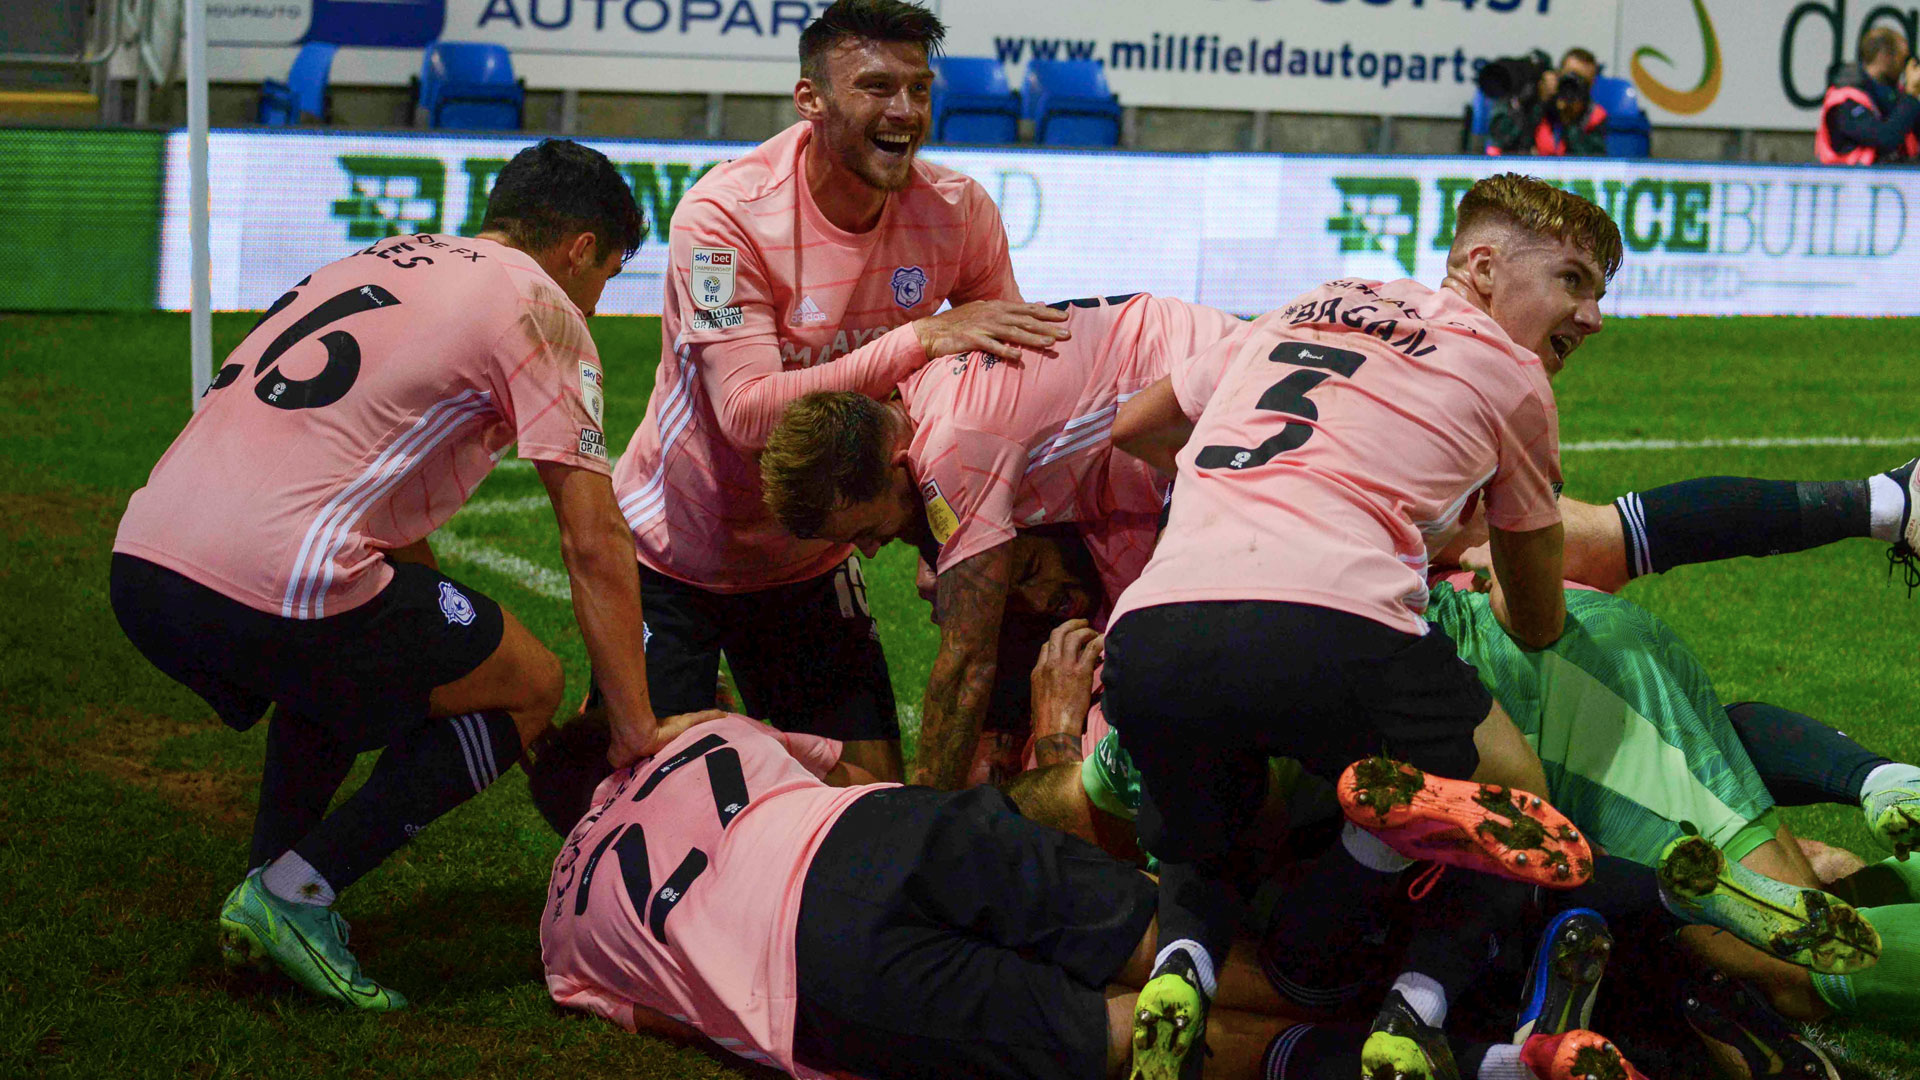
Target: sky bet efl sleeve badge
[
  {"x": 593, "y": 392},
  {"x": 941, "y": 520},
  {"x": 711, "y": 276}
]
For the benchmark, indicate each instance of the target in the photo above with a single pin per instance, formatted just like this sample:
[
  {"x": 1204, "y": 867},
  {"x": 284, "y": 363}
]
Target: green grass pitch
[{"x": 125, "y": 807}]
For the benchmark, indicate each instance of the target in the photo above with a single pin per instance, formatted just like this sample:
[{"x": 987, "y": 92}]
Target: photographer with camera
[
  {"x": 1870, "y": 111},
  {"x": 1542, "y": 110}
]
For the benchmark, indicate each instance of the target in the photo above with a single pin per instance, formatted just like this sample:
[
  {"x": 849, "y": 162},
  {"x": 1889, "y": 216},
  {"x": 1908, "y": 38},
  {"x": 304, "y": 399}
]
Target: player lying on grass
[
  {"x": 724, "y": 888},
  {"x": 278, "y": 553},
  {"x": 972, "y": 448},
  {"x": 819, "y": 260}
]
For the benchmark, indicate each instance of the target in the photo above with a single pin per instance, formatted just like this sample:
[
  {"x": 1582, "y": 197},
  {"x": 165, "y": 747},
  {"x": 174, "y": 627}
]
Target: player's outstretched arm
[
  {"x": 971, "y": 598},
  {"x": 999, "y": 327},
  {"x": 751, "y": 389},
  {"x": 1153, "y": 427},
  {"x": 598, "y": 551},
  {"x": 1528, "y": 593}
]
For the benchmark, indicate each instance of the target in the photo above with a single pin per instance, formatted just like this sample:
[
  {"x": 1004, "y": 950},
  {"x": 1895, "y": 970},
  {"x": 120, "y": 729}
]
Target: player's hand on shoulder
[
  {"x": 627, "y": 747},
  {"x": 997, "y": 327}
]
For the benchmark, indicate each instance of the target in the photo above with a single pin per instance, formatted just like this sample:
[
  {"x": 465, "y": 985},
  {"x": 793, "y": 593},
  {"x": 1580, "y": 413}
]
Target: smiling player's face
[
  {"x": 878, "y": 109},
  {"x": 1546, "y": 296}
]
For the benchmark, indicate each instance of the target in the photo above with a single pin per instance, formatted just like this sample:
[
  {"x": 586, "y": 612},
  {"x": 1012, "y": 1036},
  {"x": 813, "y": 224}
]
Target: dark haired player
[
  {"x": 815, "y": 262},
  {"x": 278, "y": 554}
]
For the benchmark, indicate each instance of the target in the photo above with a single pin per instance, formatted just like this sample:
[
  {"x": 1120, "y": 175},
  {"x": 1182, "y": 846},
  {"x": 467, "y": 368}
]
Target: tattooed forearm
[
  {"x": 972, "y": 597},
  {"x": 1060, "y": 749}
]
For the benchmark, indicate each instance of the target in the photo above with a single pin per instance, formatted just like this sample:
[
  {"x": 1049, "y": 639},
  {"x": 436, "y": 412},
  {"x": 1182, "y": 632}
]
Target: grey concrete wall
[
  {"x": 1308, "y": 133},
  {"x": 1695, "y": 144},
  {"x": 1784, "y": 146},
  {"x": 1425, "y": 135},
  {"x": 1215, "y": 130}
]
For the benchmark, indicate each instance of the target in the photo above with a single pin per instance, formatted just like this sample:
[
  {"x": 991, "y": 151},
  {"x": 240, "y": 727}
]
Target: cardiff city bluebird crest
[
  {"x": 455, "y": 605},
  {"x": 909, "y": 286}
]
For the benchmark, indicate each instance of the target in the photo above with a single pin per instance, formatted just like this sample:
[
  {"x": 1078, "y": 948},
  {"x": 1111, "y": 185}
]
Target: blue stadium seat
[
  {"x": 303, "y": 97},
  {"x": 1070, "y": 104},
  {"x": 1629, "y": 131},
  {"x": 470, "y": 86},
  {"x": 971, "y": 101}
]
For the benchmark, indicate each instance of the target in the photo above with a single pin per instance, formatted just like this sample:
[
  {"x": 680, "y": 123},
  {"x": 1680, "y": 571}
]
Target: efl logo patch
[
  {"x": 725, "y": 318},
  {"x": 592, "y": 443},
  {"x": 941, "y": 520},
  {"x": 455, "y": 605},
  {"x": 711, "y": 276},
  {"x": 593, "y": 391},
  {"x": 909, "y": 286}
]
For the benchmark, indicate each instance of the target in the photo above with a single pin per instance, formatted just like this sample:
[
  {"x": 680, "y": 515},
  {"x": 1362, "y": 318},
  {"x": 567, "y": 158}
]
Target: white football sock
[
  {"x": 1888, "y": 503},
  {"x": 1197, "y": 956},
  {"x": 1503, "y": 1063},
  {"x": 1425, "y": 995},
  {"x": 1893, "y": 774},
  {"x": 293, "y": 878},
  {"x": 1372, "y": 852}
]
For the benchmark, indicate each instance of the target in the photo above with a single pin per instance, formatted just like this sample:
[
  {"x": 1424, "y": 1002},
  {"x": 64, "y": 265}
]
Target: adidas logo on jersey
[{"x": 807, "y": 314}]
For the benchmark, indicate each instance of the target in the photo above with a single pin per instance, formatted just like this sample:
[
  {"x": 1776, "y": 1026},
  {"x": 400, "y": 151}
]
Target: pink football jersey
[
  {"x": 1336, "y": 437},
  {"x": 767, "y": 301},
  {"x": 680, "y": 890},
  {"x": 359, "y": 414},
  {"x": 1001, "y": 446}
]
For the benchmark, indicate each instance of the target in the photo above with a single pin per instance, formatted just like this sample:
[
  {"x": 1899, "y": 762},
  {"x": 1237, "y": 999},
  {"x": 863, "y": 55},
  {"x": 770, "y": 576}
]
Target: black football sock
[
  {"x": 1802, "y": 761},
  {"x": 429, "y": 771},
  {"x": 1720, "y": 517},
  {"x": 1457, "y": 930},
  {"x": 1331, "y": 1051},
  {"x": 1620, "y": 890},
  {"x": 1308, "y": 949},
  {"x": 1314, "y": 1052},
  {"x": 1198, "y": 912},
  {"x": 304, "y": 768}
]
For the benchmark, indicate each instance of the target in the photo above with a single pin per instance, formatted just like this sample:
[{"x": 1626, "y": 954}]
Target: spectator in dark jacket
[
  {"x": 1870, "y": 111},
  {"x": 1558, "y": 119}
]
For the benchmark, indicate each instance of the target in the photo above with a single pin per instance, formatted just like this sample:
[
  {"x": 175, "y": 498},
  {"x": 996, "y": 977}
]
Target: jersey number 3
[
  {"x": 1289, "y": 396},
  {"x": 343, "y": 351}
]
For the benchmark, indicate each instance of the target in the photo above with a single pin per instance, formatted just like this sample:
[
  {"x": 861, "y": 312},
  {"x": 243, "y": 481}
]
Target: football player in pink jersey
[
  {"x": 278, "y": 554},
  {"x": 973, "y": 449},
  {"x": 1281, "y": 612},
  {"x": 818, "y": 261},
  {"x": 731, "y": 892}
]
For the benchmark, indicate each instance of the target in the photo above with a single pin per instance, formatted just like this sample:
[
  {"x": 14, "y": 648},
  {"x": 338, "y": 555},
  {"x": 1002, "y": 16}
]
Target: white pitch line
[
  {"x": 1757, "y": 443},
  {"x": 494, "y": 507},
  {"x": 517, "y": 464},
  {"x": 535, "y": 578}
]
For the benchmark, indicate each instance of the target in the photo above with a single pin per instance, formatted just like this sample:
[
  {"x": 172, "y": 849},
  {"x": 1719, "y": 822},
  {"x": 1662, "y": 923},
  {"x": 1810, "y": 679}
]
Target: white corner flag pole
[{"x": 201, "y": 320}]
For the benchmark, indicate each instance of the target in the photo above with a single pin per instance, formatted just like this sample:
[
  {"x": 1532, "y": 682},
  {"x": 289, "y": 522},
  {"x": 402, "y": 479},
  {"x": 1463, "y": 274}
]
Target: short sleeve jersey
[
  {"x": 1002, "y": 446},
  {"x": 760, "y": 285},
  {"x": 1339, "y": 436},
  {"x": 360, "y": 413},
  {"x": 680, "y": 890}
]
